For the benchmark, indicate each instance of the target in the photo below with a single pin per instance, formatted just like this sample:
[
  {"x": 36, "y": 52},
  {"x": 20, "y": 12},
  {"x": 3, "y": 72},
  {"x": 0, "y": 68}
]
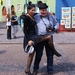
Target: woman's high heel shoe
[
  {"x": 57, "y": 54},
  {"x": 28, "y": 73}
]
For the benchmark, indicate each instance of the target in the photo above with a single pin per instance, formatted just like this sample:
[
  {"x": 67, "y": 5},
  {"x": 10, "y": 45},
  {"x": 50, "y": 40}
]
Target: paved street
[{"x": 13, "y": 58}]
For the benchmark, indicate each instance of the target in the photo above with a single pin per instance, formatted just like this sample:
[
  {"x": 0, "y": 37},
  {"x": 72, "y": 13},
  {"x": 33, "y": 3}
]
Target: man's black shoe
[
  {"x": 35, "y": 72},
  {"x": 50, "y": 73}
]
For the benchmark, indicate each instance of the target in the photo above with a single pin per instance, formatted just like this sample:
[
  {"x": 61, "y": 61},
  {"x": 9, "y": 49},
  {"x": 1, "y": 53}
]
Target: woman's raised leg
[{"x": 49, "y": 39}]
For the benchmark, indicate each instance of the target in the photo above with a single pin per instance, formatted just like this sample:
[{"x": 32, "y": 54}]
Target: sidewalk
[
  {"x": 3, "y": 35},
  {"x": 64, "y": 37}
]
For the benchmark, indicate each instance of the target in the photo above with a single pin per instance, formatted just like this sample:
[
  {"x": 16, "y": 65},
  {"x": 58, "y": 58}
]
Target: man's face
[{"x": 43, "y": 12}]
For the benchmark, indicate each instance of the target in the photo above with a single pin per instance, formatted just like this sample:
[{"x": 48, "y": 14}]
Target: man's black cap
[{"x": 43, "y": 6}]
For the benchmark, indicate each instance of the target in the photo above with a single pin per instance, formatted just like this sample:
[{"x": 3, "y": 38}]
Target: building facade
[
  {"x": 19, "y": 6},
  {"x": 65, "y": 12}
]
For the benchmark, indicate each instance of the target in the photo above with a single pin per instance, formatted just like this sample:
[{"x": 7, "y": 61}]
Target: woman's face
[{"x": 31, "y": 11}]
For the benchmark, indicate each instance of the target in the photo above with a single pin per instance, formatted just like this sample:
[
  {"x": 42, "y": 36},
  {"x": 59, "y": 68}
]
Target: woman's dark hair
[
  {"x": 12, "y": 7},
  {"x": 3, "y": 8},
  {"x": 29, "y": 3},
  {"x": 30, "y": 7},
  {"x": 13, "y": 12},
  {"x": 8, "y": 16}
]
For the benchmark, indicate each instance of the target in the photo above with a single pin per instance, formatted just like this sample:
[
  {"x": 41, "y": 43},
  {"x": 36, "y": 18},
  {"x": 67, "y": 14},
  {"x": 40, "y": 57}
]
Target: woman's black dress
[{"x": 30, "y": 31}]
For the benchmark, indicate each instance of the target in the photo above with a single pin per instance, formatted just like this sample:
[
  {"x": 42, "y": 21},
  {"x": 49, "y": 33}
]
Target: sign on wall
[
  {"x": 62, "y": 22},
  {"x": 68, "y": 23},
  {"x": 18, "y": 7},
  {"x": 66, "y": 10},
  {"x": 73, "y": 9},
  {"x": 73, "y": 17},
  {"x": 66, "y": 16}
]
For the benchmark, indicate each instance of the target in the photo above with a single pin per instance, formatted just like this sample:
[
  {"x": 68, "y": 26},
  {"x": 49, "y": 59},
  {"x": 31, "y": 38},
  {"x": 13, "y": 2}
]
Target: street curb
[{"x": 11, "y": 43}]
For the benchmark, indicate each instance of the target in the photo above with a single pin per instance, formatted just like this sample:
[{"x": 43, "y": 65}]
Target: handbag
[{"x": 29, "y": 49}]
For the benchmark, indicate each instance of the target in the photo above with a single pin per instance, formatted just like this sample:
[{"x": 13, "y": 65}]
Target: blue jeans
[{"x": 39, "y": 53}]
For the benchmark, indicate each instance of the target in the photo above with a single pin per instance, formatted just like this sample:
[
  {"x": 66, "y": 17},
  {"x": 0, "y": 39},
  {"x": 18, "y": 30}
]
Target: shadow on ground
[
  {"x": 63, "y": 67},
  {"x": 1, "y": 34},
  {"x": 2, "y": 25},
  {"x": 1, "y": 52}
]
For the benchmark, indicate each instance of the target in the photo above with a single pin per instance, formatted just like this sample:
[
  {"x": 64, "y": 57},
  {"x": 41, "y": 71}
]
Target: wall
[
  {"x": 12, "y": 2},
  {"x": 15, "y": 5},
  {"x": 63, "y": 3},
  {"x": 50, "y": 3},
  {"x": 1, "y": 17}
]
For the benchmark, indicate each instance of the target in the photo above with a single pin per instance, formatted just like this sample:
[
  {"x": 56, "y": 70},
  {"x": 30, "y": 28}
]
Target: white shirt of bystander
[{"x": 8, "y": 23}]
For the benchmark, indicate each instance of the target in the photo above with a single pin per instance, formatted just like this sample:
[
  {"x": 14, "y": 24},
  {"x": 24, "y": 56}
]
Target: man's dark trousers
[{"x": 39, "y": 53}]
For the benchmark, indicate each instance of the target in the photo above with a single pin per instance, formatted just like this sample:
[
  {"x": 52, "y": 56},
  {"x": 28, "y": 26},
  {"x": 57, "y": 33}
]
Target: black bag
[{"x": 50, "y": 28}]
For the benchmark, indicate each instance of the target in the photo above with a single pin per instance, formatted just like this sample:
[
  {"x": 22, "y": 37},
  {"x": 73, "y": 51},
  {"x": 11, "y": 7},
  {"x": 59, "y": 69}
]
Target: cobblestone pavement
[
  {"x": 13, "y": 61},
  {"x": 69, "y": 49},
  {"x": 65, "y": 37},
  {"x": 13, "y": 58}
]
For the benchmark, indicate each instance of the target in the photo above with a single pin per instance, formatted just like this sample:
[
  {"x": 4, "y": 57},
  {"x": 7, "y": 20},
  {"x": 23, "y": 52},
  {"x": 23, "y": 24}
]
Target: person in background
[
  {"x": 8, "y": 26},
  {"x": 14, "y": 22},
  {"x": 21, "y": 20},
  {"x": 37, "y": 7},
  {"x": 55, "y": 16},
  {"x": 39, "y": 2},
  {"x": 29, "y": 3},
  {"x": 56, "y": 20}
]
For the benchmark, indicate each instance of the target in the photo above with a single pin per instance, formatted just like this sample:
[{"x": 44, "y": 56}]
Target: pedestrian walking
[
  {"x": 8, "y": 26},
  {"x": 14, "y": 22}
]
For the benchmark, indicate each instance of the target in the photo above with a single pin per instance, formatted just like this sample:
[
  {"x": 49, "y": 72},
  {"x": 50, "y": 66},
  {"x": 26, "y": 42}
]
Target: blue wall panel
[{"x": 63, "y": 3}]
